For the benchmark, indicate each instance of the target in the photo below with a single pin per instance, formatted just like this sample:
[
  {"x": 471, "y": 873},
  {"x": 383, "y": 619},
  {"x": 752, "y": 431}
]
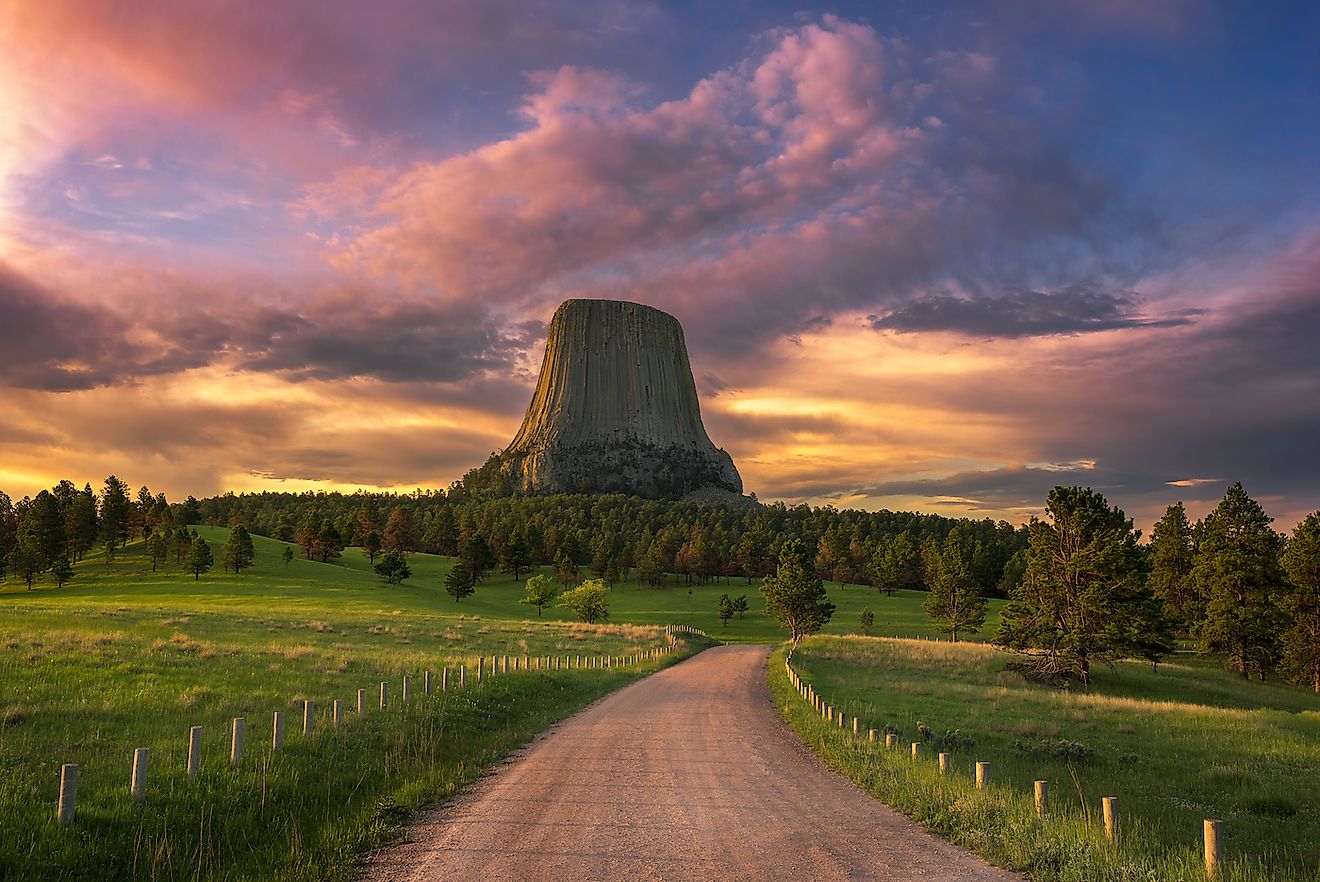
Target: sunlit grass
[{"x": 1177, "y": 745}]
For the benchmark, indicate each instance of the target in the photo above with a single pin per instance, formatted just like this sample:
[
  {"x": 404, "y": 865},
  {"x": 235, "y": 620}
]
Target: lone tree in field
[
  {"x": 372, "y": 544},
  {"x": 954, "y": 601},
  {"x": 1172, "y": 554},
  {"x": 740, "y": 605},
  {"x": 794, "y": 595},
  {"x": 1238, "y": 574},
  {"x": 867, "y": 621},
  {"x": 287, "y": 556},
  {"x": 460, "y": 582},
  {"x": 1084, "y": 598},
  {"x": 157, "y": 550},
  {"x": 61, "y": 570},
  {"x": 393, "y": 568},
  {"x": 200, "y": 559},
  {"x": 725, "y": 610},
  {"x": 1301, "y": 642},
  {"x": 589, "y": 601},
  {"x": 239, "y": 553},
  {"x": 539, "y": 592}
]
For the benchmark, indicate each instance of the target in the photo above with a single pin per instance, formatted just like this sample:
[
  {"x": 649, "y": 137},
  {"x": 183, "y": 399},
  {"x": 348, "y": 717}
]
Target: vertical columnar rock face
[{"x": 615, "y": 409}]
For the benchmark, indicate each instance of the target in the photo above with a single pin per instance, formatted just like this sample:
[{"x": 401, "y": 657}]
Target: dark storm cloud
[
  {"x": 1078, "y": 309},
  {"x": 407, "y": 341},
  {"x": 55, "y": 344}
]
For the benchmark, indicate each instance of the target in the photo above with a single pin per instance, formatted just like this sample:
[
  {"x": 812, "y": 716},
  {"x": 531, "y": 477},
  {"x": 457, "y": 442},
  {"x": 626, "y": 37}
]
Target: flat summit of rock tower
[{"x": 615, "y": 410}]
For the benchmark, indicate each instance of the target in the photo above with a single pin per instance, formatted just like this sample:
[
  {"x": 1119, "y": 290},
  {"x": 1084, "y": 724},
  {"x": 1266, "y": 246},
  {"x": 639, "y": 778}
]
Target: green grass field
[
  {"x": 123, "y": 658},
  {"x": 1188, "y": 742}
]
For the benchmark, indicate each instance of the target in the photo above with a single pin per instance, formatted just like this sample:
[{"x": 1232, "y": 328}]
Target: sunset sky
[{"x": 927, "y": 256}]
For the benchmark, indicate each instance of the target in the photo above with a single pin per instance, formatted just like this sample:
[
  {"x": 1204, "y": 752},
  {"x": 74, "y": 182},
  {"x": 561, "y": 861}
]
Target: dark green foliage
[
  {"x": 1301, "y": 602},
  {"x": 867, "y": 621},
  {"x": 954, "y": 603},
  {"x": 1171, "y": 559},
  {"x": 1237, "y": 574},
  {"x": 200, "y": 559},
  {"x": 238, "y": 553},
  {"x": 516, "y": 555},
  {"x": 157, "y": 550},
  {"x": 566, "y": 570},
  {"x": 372, "y": 544},
  {"x": 476, "y": 553},
  {"x": 1061, "y": 749},
  {"x": 795, "y": 594},
  {"x": 740, "y": 605},
  {"x": 116, "y": 511},
  {"x": 1084, "y": 597},
  {"x": 460, "y": 582},
  {"x": 725, "y": 610},
  {"x": 287, "y": 556},
  {"x": 61, "y": 570},
  {"x": 393, "y": 568},
  {"x": 329, "y": 543}
]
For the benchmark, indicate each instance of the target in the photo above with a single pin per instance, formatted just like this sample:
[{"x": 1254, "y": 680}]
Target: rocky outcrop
[{"x": 615, "y": 410}]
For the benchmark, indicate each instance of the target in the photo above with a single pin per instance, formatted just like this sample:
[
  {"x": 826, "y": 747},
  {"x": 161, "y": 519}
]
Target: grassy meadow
[
  {"x": 122, "y": 658},
  {"x": 1186, "y": 742}
]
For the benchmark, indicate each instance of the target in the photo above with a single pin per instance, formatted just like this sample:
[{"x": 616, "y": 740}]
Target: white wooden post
[
  {"x": 1214, "y": 847},
  {"x": 982, "y": 775},
  {"x": 1110, "y": 805},
  {"x": 309, "y": 716},
  {"x": 68, "y": 804},
  {"x": 194, "y": 751},
  {"x": 277, "y": 732},
  {"x": 138, "y": 787},
  {"x": 237, "y": 731},
  {"x": 338, "y": 713}
]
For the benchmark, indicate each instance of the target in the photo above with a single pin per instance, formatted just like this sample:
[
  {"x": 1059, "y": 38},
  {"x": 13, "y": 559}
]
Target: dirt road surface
[{"x": 688, "y": 774}]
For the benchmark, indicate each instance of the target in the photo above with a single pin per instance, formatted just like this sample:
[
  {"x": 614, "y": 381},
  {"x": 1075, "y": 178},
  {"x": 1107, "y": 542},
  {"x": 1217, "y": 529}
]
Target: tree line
[{"x": 1082, "y": 589}]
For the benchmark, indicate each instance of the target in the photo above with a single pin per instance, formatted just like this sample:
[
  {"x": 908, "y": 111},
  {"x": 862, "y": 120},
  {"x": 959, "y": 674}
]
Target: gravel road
[{"x": 688, "y": 774}]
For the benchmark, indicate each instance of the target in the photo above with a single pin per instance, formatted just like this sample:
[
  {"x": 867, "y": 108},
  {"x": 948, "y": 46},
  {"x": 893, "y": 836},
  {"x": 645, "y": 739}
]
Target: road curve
[{"x": 687, "y": 774}]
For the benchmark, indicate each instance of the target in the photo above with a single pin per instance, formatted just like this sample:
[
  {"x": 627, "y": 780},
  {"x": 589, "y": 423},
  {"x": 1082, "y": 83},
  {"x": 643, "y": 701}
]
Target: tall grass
[{"x": 1175, "y": 746}]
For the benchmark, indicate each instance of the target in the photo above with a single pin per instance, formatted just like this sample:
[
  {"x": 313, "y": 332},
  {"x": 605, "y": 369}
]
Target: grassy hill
[
  {"x": 1177, "y": 745},
  {"x": 123, "y": 658}
]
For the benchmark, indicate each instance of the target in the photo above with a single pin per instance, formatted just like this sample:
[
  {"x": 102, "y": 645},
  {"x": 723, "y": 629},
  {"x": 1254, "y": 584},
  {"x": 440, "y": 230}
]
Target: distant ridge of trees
[{"x": 1230, "y": 583}]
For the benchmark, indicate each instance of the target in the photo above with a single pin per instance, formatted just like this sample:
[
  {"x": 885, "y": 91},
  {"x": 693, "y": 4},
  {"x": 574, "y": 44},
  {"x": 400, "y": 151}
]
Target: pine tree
[
  {"x": 867, "y": 621},
  {"x": 566, "y": 571},
  {"x": 1238, "y": 574},
  {"x": 1301, "y": 602},
  {"x": 516, "y": 556},
  {"x": 401, "y": 533},
  {"x": 200, "y": 559},
  {"x": 795, "y": 595},
  {"x": 1171, "y": 556},
  {"x": 239, "y": 553},
  {"x": 725, "y": 610},
  {"x": 651, "y": 569},
  {"x": 115, "y": 511},
  {"x": 61, "y": 570},
  {"x": 1084, "y": 598},
  {"x": 372, "y": 545},
  {"x": 740, "y": 605},
  {"x": 329, "y": 543},
  {"x": 393, "y": 568},
  {"x": 287, "y": 556},
  {"x": 476, "y": 553},
  {"x": 156, "y": 550},
  {"x": 460, "y": 582},
  {"x": 954, "y": 601}
]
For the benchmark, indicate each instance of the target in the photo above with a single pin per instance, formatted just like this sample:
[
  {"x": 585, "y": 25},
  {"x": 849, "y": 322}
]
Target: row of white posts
[
  {"x": 1213, "y": 829},
  {"x": 498, "y": 665}
]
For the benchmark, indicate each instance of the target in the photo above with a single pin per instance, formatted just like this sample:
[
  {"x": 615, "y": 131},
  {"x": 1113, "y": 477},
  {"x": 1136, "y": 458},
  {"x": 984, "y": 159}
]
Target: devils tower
[{"x": 615, "y": 410}]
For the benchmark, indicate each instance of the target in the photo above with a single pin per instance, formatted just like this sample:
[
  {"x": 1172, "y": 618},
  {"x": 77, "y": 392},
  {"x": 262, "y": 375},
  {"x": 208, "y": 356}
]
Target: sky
[{"x": 928, "y": 256}]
